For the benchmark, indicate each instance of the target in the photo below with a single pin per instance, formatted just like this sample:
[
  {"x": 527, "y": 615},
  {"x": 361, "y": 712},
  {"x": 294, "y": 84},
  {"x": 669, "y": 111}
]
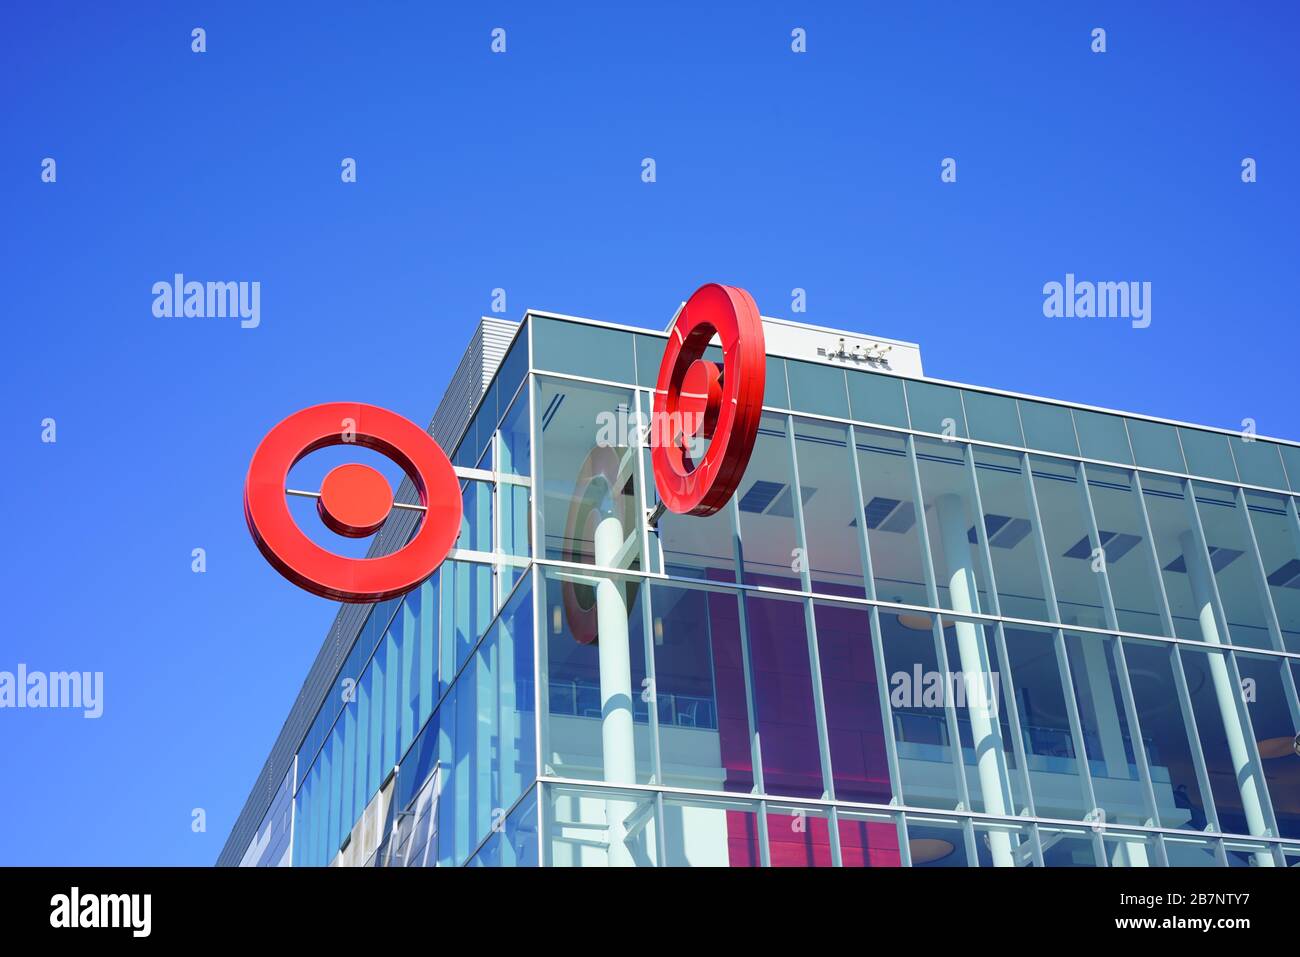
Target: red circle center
[
  {"x": 355, "y": 500},
  {"x": 701, "y": 398}
]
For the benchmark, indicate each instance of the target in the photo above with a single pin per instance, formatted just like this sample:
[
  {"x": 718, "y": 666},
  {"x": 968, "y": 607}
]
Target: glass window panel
[
  {"x": 1227, "y": 535},
  {"x": 476, "y": 516},
  {"x": 517, "y": 746},
  {"x": 587, "y": 467},
  {"x": 1107, "y": 737},
  {"x": 1155, "y": 445},
  {"x": 937, "y": 842},
  {"x": 1009, "y": 526},
  {"x": 487, "y": 731},
  {"x": 1070, "y": 548},
  {"x": 817, "y": 388},
  {"x": 584, "y": 350},
  {"x": 783, "y": 697},
  {"x": 1189, "y": 852},
  {"x": 649, "y": 357},
  {"x": 765, "y": 499},
  {"x": 514, "y": 366},
  {"x": 1273, "y": 720},
  {"x": 877, "y": 398},
  {"x": 1018, "y": 838},
  {"x": 834, "y": 541},
  {"x": 692, "y": 546},
  {"x": 1249, "y": 854},
  {"x": 375, "y": 748},
  {"x": 1258, "y": 463},
  {"x": 697, "y": 671},
  {"x": 577, "y": 829},
  {"x": 463, "y": 769},
  {"x": 1167, "y": 738},
  {"x": 1291, "y": 459},
  {"x": 449, "y": 806},
  {"x": 869, "y": 839},
  {"x": 361, "y": 756},
  {"x": 918, "y": 711},
  {"x": 993, "y": 418},
  {"x": 348, "y": 775},
  {"x": 516, "y": 438},
  {"x": 409, "y": 718},
  {"x": 1127, "y": 548},
  {"x": 798, "y": 836},
  {"x": 1048, "y": 427},
  {"x": 1171, "y": 529},
  {"x": 1130, "y": 849},
  {"x": 1102, "y": 436},
  {"x": 1055, "y": 771},
  {"x": 959, "y": 571},
  {"x": 699, "y": 689},
  {"x": 1067, "y": 847},
  {"x": 935, "y": 408},
  {"x": 392, "y": 692},
  {"x": 700, "y": 833},
  {"x": 1208, "y": 454},
  {"x": 853, "y": 695},
  {"x": 575, "y": 643},
  {"x": 520, "y": 846},
  {"x": 775, "y": 392},
  {"x": 1276, "y": 536},
  {"x": 889, "y": 497},
  {"x": 429, "y": 620}
]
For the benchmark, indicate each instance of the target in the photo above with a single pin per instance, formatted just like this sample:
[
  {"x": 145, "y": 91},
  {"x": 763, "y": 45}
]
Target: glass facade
[{"x": 935, "y": 626}]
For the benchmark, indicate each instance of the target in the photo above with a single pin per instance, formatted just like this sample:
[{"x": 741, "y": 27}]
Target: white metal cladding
[{"x": 487, "y": 347}]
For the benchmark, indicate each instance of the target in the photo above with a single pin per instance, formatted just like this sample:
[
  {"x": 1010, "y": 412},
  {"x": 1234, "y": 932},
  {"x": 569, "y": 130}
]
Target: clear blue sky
[{"x": 522, "y": 171}]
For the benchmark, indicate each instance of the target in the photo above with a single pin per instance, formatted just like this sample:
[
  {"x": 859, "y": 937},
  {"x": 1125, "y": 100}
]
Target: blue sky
[{"x": 522, "y": 170}]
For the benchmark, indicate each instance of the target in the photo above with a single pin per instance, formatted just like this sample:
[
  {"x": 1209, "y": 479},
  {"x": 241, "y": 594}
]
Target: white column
[
  {"x": 617, "y": 743},
  {"x": 980, "y": 706},
  {"x": 1224, "y": 691}
]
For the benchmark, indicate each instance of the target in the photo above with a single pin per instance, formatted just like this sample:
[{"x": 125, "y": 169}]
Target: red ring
[
  {"x": 729, "y": 313},
  {"x": 598, "y": 475},
  {"x": 321, "y": 572}
]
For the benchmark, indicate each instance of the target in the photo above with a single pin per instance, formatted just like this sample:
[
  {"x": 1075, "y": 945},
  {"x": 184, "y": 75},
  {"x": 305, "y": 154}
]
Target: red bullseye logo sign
[
  {"x": 723, "y": 405},
  {"x": 704, "y": 423},
  {"x": 354, "y": 500}
]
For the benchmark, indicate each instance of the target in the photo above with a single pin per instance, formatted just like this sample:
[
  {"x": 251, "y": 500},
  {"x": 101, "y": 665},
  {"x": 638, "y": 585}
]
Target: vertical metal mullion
[
  {"x": 1058, "y": 635},
  {"x": 936, "y": 625}
]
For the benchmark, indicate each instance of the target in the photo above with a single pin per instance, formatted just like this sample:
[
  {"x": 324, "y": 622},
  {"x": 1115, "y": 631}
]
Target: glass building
[{"x": 937, "y": 625}]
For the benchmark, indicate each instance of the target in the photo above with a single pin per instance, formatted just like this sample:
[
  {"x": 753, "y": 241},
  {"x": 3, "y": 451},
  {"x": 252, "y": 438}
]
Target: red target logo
[
  {"x": 354, "y": 500},
  {"x": 696, "y": 400}
]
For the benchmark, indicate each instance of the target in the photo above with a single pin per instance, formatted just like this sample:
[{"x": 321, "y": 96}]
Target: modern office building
[{"x": 936, "y": 625}]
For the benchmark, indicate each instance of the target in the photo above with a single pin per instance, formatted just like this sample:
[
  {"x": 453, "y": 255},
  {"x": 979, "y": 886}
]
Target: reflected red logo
[{"x": 354, "y": 500}]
